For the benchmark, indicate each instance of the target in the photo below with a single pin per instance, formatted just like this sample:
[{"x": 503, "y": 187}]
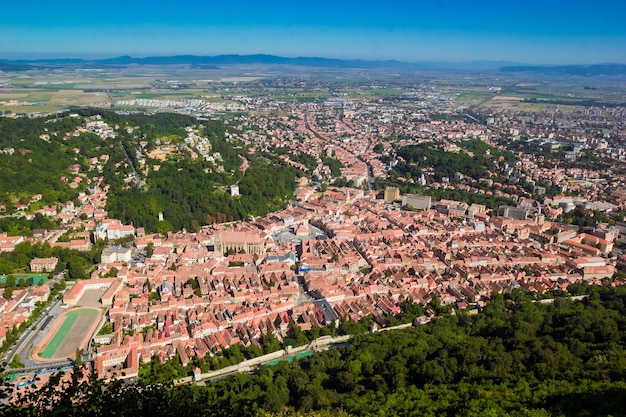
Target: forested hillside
[
  {"x": 190, "y": 196},
  {"x": 473, "y": 158},
  {"x": 517, "y": 358},
  {"x": 57, "y": 158},
  {"x": 35, "y": 156}
]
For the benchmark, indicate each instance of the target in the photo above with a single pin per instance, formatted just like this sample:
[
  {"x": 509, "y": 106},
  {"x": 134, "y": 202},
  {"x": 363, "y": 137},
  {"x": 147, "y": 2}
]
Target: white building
[{"x": 114, "y": 254}]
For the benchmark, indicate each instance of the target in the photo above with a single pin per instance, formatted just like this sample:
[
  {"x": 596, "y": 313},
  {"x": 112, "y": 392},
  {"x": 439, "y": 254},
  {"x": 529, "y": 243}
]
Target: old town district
[{"x": 341, "y": 254}]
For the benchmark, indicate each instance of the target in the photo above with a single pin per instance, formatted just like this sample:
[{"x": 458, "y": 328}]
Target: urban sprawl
[{"x": 339, "y": 252}]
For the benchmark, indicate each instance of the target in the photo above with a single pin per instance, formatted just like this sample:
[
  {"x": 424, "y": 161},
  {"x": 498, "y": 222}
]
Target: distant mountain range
[
  {"x": 581, "y": 70},
  {"x": 14, "y": 67},
  {"x": 223, "y": 60}
]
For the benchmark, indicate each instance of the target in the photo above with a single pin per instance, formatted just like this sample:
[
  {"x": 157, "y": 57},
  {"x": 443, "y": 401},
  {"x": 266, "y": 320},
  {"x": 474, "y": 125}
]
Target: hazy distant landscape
[{"x": 41, "y": 86}]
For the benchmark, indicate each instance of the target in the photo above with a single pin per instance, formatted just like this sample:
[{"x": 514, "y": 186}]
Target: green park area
[
  {"x": 290, "y": 359},
  {"x": 63, "y": 331}
]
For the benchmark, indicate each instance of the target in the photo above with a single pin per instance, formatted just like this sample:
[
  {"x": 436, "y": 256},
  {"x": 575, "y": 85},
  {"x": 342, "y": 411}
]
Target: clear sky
[{"x": 525, "y": 31}]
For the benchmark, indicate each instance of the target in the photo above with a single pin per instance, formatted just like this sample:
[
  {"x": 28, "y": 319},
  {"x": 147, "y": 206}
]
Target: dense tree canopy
[
  {"x": 35, "y": 165},
  {"x": 192, "y": 193},
  {"x": 185, "y": 193},
  {"x": 76, "y": 262},
  {"x": 189, "y": 193},
  {"x": 473, "y": 159}
]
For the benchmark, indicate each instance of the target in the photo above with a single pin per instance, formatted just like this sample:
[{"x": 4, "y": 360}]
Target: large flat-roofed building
[
  {"x": 116, "y": 254},
  {"x": 117, "y": 362},
  {"x": 515, "y": 213},
  {"x": 112, "y": 229},
  {"x": 247, "y": 242},
  {"x": 111, "y": 285},
  {"x": 418, "y": 202},
  {"x": 43, "y": 264}
]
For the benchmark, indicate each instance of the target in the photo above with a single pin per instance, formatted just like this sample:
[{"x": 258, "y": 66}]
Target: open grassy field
[
  {"x": 45, "y": 100},
  {"x": 31, "y": 109},
  {"x": 474, "y": 95},
  {"x": 519, "y": 105}
]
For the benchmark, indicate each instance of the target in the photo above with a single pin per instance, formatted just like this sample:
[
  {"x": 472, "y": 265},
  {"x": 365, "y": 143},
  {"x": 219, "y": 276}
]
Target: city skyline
[{"x": 445, "y": 31}]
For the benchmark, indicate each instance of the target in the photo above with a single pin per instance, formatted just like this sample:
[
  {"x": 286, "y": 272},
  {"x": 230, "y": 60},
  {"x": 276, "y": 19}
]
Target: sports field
[
  {"x": 71, "y": 334},
  {"x": 37, "y": 279}
]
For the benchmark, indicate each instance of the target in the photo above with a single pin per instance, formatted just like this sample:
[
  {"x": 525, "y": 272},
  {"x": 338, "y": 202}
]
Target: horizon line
[{"x": 26, "y": 56}]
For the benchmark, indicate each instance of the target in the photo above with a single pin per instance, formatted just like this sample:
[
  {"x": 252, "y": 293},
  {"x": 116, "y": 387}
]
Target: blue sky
[{"x": 528, "y": 31}]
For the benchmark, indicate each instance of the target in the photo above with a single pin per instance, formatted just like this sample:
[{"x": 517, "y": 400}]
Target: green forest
[
  {"x": 516, "y": 358},
  {"x": 35, "y": 165},
  {"x": 490, "y": 201},
  {"x": 193, "y": 193},
  {"x": 189, "y": 193},
  {"x": 40, "y": 151},
  {"x": 189, "y": 197},
  {"x": 473, "y": 160}
]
